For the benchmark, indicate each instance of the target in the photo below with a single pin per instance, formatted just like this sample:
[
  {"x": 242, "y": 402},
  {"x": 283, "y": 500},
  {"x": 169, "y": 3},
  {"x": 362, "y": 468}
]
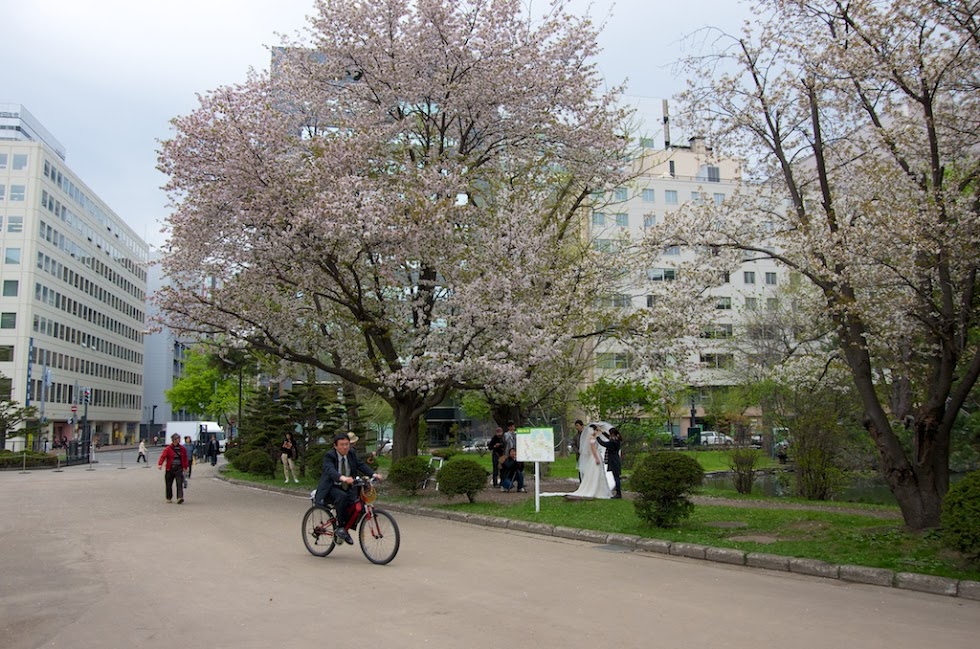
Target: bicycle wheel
[
  {"x": 379, "y": 537},
  {"x": 318, "y": 530}
]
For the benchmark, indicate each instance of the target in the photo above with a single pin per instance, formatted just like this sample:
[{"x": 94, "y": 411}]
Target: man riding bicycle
[{"x": 340, "y": 466}]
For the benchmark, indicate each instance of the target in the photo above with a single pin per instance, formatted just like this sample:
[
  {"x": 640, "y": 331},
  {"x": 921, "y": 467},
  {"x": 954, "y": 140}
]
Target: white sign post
[{"x": 536, "y": 445}]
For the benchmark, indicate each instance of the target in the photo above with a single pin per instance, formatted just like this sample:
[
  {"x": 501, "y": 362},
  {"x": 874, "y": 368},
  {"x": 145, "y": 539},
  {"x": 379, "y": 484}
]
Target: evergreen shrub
[
  {"x": 960, "y": 517},
  {"x": 314, "y": 459},
  {"x": 15, "y": 460},
  {"x": 462, "y": 476},
  {"x": 445, "y": 453},
  {"x": 255, "y": 461},
  {"x": 661, "y": 481},
  {"x": 410, "y": 473}
]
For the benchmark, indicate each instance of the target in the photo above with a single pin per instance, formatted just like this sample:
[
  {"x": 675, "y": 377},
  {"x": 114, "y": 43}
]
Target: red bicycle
[{"x": 376, "y": 529}]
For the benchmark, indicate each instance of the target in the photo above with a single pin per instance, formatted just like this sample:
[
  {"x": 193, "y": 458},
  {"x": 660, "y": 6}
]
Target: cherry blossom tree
[
  {"x": 859, "y": 122},
  {"x": 399, "y": 201}
]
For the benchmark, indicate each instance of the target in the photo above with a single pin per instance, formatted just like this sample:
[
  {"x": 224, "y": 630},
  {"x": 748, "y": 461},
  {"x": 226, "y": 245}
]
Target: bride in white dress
[{"x": 594, "y": 483}]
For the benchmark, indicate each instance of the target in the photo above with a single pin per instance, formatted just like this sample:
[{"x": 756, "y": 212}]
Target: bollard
[
  {"x": 120, "y": 461},
  {"x": 24, "y": 466},
  {"x": 58, "y": 470}
]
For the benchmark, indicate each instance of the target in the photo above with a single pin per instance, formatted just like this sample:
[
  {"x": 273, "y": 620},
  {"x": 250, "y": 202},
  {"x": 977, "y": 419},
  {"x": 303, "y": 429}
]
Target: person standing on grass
[
  {"x": 496, "y": 446},
  {"x": 614, "y": 446},
  {"x": 287, "y": 453},
  {"x": 175, "y": 458}
]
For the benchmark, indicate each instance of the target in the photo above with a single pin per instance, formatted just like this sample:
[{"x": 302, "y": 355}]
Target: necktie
[{"x": 343, "y": 465}]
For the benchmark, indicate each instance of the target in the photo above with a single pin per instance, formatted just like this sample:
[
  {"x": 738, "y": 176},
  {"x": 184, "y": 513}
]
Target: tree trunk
[
  {"x": 919, "y": 485},
  {"x": 405, "y": 438}
]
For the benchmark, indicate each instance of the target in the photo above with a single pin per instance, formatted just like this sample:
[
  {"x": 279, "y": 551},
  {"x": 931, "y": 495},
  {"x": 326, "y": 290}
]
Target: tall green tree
[
  {"x": 12, "y": 415},
  {"x": 204, "y": 388}
]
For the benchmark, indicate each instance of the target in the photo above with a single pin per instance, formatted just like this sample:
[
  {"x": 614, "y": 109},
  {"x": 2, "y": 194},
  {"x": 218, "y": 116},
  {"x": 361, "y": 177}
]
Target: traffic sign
[{"x": 74, "y": 408}]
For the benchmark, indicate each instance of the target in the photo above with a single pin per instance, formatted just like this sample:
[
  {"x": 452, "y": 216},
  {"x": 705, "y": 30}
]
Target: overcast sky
[{"x": 106, "y": 76}]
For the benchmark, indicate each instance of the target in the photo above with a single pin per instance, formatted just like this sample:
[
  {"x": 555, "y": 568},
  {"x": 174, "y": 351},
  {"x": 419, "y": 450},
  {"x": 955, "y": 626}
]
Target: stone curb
[{"x": 931, "y": 584}]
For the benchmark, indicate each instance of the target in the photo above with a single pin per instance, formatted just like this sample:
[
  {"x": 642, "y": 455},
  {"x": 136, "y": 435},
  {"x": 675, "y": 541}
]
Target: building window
[
  {"x": 598, "y": 218},
  {"x": 661, "y": 274},
  {"x": 605, "y": 245},
  {"x": 612, "y": 361},
  {"x": 672, "y": 250},
  {"x": 671, "y": 168},
  {"x": 649, "y": 221},
  {"x": 772, "y": 304},
  {"x": 18, "y": 192},
  {"x": 718, "y": 331},
  {"x": 751, "y": 304},
  {"x": 748, "y": 277},
  {"x": 15, "y": 224},
  {"x": 20, "y": 161},
  {"x": 771, "y": 279},
  {"x": 648, "y": 143},
  {"x": 8, "y": 320},
  {"x": 3, "y": 191},
  {"x": 622, "y": 220},
  {"x": 651, "y": 301},
  {"x": 724, "y": 303},
  {"x": 6, "y": 353},
  {"x": 10, "y": 287},
  {"x": 649, "y": 196},
  {"x": 718, "y": 361},
  {"x": 696, "y": 197},
  {"x": 713, "y": 173},
  {"x": 621, "y": 194},
  {"x": 616, "y": 301},
  {"x": 670, "y": 197},
  {"x": 719, "y": 198},
  {"x": 3, "y": 160},
  {"x": 11, "y": 256}
]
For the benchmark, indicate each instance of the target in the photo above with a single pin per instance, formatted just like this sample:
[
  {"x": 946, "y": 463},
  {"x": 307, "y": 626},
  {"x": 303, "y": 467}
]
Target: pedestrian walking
[
  {"x": 212, "y": 450},
  {"x": 174, "y": 457},
  {"x": 142, "y": 452}
]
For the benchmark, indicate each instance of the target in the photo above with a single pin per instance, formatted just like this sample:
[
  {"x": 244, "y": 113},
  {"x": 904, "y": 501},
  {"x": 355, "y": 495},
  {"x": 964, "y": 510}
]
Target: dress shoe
[
  {"x": 180, "y": 501},
  {"x": 615, "y": 496}
]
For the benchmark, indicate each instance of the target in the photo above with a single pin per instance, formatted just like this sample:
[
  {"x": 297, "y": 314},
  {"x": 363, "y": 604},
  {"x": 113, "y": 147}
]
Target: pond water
[{"x": 862, "y": 489}]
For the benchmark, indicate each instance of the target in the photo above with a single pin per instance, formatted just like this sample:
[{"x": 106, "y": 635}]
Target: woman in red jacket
[{"x": 175, "y": 456}]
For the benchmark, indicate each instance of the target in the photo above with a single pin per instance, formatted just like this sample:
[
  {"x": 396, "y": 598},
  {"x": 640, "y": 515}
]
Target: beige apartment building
[{"x": 72, "y": 309}]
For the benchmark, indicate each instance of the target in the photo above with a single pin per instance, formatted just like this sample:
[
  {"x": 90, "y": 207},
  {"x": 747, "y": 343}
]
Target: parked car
[
  {"x": 478, "y": 445},
  {"x": 714, "y": 438}
]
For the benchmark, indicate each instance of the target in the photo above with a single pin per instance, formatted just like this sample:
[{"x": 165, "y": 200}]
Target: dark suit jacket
[
  {"x": 331, "y": 465},
  {"x": 613, "y": 460}
]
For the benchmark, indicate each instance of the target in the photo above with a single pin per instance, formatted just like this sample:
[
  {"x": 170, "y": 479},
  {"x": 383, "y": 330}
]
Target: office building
[{"x": 72, "y": 310}]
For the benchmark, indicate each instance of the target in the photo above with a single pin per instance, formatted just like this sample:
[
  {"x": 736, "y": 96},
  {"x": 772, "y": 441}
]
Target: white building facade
[{"x": 72, "y": 309}]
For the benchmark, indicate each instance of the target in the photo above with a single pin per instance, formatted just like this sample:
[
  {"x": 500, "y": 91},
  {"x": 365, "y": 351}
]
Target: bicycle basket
[{"x": 368, "y": 494}]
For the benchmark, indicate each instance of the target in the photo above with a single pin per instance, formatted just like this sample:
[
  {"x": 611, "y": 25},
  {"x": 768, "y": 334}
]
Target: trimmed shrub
[
  {"x": 410, "y": 473},
  {"x": 661, "y": 481},
  {"x": 255, "y": 461},
  {"x": 961, "y": 516},
  {"x": 231, "y": 453},
  {"x": 445, "y": 453},
  {"x": 15, "y": 460},
  {"x": 462, "y": 476}
]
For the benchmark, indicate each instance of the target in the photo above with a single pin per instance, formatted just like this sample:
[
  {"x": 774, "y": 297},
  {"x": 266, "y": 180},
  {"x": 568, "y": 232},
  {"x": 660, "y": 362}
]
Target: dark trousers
[
  {"x": 141, "y": 455},
  {"x": 619, "y": 483},
  {"x": 214, "y": 459},
  {"x": 508, "y": 482},
  {"x": 495, "y": 460},
  {"x": 171, "y": 475}
]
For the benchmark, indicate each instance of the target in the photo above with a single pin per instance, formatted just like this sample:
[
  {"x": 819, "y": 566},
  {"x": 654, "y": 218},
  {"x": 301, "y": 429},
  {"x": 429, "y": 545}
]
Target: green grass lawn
[{"x": 845, "y": 537}]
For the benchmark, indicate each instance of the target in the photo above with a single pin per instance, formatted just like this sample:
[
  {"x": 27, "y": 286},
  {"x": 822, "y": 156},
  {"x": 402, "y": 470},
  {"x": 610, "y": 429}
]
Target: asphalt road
[{"x": 97, "y": 559}]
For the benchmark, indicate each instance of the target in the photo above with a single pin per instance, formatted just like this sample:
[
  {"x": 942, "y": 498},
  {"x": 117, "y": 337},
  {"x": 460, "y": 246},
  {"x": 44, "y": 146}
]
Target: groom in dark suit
[
  {"x": 613, "y": 460},
  {"x": 340, "y": 465}
]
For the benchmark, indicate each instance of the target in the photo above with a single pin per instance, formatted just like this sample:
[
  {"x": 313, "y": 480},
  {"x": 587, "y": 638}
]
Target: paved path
[{"x": 97, "y": 559}]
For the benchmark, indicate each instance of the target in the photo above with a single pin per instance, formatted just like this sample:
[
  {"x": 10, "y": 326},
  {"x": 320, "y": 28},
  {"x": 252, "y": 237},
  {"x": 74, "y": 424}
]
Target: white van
[
  {"x": 714, "y": 438},
  {"x": 199, "y": 431}
]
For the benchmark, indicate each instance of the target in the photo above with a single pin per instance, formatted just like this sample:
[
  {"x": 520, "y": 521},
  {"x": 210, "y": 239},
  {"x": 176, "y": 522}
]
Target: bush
[
  {"x": 11, "y": 460},
  {"x": 231, "y": 453},
  {"x": 255, "y": 461},
  {"x": 462, "y": 476},
  {"x": 742, "y": 462},
  {"x": 445, "y": 453},
  {"x": 661, "y": 481},
  {"x": 961, "y": 516},
  {"x": 410, "y": 473}
]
